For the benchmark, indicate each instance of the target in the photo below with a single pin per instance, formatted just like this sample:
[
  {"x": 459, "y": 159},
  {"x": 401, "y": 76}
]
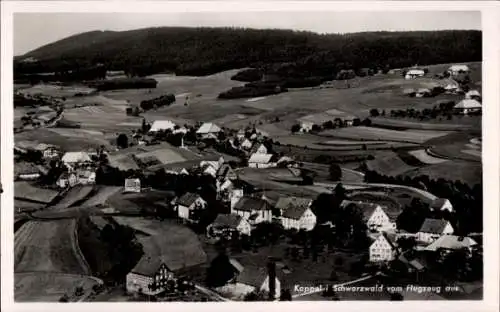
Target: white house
[
  {"x": 306, "y": 126},
  {"x": 208, "y": 130},
  {"x": 86, "y": 176},
  {"x": 441, "y": 204},
  {"x": 246, "y": 144},
  {"x": 451, "y": 88},
  {"x": 432, "y": 229},
  {"x": 241, "y": 134},
  {"x": 452, "y": 242},
  {"x": 467, "y": 106},
  {"x": 188, "y": 204},
  {"x": 49, "y": 151},
  {"x": 71, "y": 159},
  {"x": 377, "y": 218},
  {"x": 162, "y": 125},
  {"x": 226, "y": 224},
  {"x": 414, "y": 73},
  {"x": 298, "y": 217},
  {"x": 253, "y": 209},
  {"x": 150, "y": 276},
  {"x": 67, "y": 180},
  {"x": 133, "y": 185},
  {"x": 382, "y": 249},
  {"x": 260, "y": 161},
  {"x": 234, "y": 196},
  {"x": 473, "y": 94},
  {"x": 422, "y": 92},
  {"x": 458, "y": 69}
]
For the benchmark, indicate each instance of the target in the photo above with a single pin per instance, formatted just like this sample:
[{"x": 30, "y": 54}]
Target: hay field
[
  {"x": 74, "y": 195},
  {"x": 465, "y": 171},
  {"x": 425, "y": 158},
  {"x": 77, "y": 142},
  {"x": 55, "y": 91},
  {"x": 389, "y": 163},
  {"x": 456, "y": 124},
  {"x": 101, "y": 196},
  {"x": 108, "y": 118}
]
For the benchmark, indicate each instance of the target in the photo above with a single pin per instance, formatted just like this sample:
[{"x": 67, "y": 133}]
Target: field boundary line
[{"x": 78, "y": 251}]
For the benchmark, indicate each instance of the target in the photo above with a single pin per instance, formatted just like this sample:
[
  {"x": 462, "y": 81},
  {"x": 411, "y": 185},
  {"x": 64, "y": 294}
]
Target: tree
[
  {"x": 335, "y": 172},
  {"x": 295, "y": 128},
  {"x": 374, "y": 112},
  {"x": 122, "y": 140},
  {"x": 285, "y": 295},
  {"x": 316, "y": 128}
]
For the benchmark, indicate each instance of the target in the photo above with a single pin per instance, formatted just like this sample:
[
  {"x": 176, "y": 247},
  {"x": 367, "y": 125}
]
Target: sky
[{"x": 32, "y": 30}]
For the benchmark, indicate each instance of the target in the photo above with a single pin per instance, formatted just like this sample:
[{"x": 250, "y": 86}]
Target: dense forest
[{"x": 202, "y": 51}]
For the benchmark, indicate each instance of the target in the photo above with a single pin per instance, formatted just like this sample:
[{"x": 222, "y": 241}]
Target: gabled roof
[
  {"x": 459, "y": 67},
  {"x": 187, "y": 199},
  {"x": 389, "y": 239},
  {"x": 162, "y": 125},
  {"x": 287, "y": 202},
  {"x": 294, "y": 212},
  {"x": 434, "y": 226},
  {"x": 43, "y": 146},
  {"x": 247, "y": 203},
  {"x": 468, "y": 103},
  {"x": 256, "y": 147},
  {"x": 147, "y": 266},
  {"x": 439, "y": 203},
  {"x": 451, "y": 242},
  {"x": 208, "y": 127},
  {"x": 472, "y": 93},
  {"x": 415, "y": 72},
  {"x": 252, "y": 276},
  {"x": 260, "y": 158},
  {"x": 229, "y": 220},
  {"x": 75, "y": 157},
  {"x": 366, "y": 208}
]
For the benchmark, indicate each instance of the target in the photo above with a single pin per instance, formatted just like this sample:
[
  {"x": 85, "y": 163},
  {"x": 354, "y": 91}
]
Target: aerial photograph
[{"x": 270, "y": 156}]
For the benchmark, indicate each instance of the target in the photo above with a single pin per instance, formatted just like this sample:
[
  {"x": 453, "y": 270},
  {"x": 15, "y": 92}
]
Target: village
[{"x": 264, "y": 219}]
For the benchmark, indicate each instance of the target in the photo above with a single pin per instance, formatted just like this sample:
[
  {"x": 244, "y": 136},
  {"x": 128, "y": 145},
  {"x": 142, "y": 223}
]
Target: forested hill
[{"x": 200, "y": 51}]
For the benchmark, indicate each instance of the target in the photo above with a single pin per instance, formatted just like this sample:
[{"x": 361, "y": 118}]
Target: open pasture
[
  {"x": 55, "y": 91},
  {"x": 458, "y": 123},
  {"x": 373, "y": 134},
  {"x": 75, "y": 142},
  {"x": 73, "y": 196},
  {"x": 465, "y": 171},
  {"x": 103, "y": 117},
  {"x": 425, "y": 158},
  {"x": 388, "y": 163},
  {"x": 101, "y": 196}
]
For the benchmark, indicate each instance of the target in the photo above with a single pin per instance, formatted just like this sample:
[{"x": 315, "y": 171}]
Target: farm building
[
  {"x": 246, "y": 144},
  {"x": 432, "y": 229},
  {"x": 226, "y": 172},
  {"x": 452, "y": 242},
  {"x": 208, "y": 130},
  {"x": 26, "y": 192},
  {"x": 473, "y": 94},
  {"x": 346, "y": 118},
  {"x": 49, "y": 151},
  {"x": 132, "y": 185},
  {"x": 162, "y": 125},
  {"x": 76, "y": 158},
  {"x": 383, "y": 249},
  {"x": 297, "y": 216},
  {"x": 451, "y": 88},
  {"x": 458, "y": 69},
  {"x": 26, "y": 171},
  {"x": 414, "y": 73},
  {"x": 227, "y": 224},
  {"x": 259, "y": 279},
  {"x": 260, "y": 161},
  {"x": 441, "y": 204},
  {"x": 259, "y": 148},
  {"x": 150, "y": 276},
  {"x": 306, "y": 126},
  {"x": 86, "y": 176},
  {"x": 468, "y": 106},
  {"x": 67, "y": 180},
  {"x": 47, "y": 117},
  {"x": 240, "y": 135},
  {"x": 187, "y": 204},
  {"x": 286, "y": 202},
  {"x": 377, "y": 218},
  {"x": 422, "y": 92},
  {"x": 253, "y": 209}
]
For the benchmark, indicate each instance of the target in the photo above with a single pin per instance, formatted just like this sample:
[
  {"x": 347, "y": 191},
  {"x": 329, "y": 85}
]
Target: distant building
[
  {"x": 72, "y": 159},
  {"x": 414, "y": 73},
  {"x": 451, "y": 88},
  {"x": 86, "y": 176},
  {"x": 208, "y": 130},
  {"x": 253, "y": 209},
  {"x": 260, "y": 161},
  {"x": 67, "y": 180},
  {"x": 226, "y": 172},
  {"x": 468, "y": 106},
  {"x": 132, "y": 185},
  {"x": 441, "y": 204},
  {"x": 298, "y": 217},
  {"x": 227, "y": 224},
  {"x": 49, "y": 151},
  {"x": 188, "y": 204},
  {"x": 241, "y": 134},
  {"x": 432, "y": 229},
  {"x": 246, "y": 144},
  {"x": 150, "y": 277},
  {"x": 422, "y": 92},
  {"x": 382, "y": 249},
  {"x": 26, "y": 171},
  {"x": 306, "y": 126},
  {"x": 259, "y": 148},
  {"x": 454, "y": 70},
  {"x": 473, "y": 94},
  {"x": 162, "y": 125},
  {"x": 258, "y": 279},
  {"x": 377, "y": 218}
]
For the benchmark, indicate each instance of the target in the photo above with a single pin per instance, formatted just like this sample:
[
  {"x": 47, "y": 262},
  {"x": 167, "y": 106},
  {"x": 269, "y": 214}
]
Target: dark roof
[
  {"x": 226, "y": 171},
  {"x": 285, "y": 203},
  {"x": 252, "y": 276},
  {"x": 247, "y": 203},
  {"x": 391, "y": 239},
  {"x": 236, "y": 264},
  {"x": 435, "y": 226},
  {"x": 147, "y": 266},
  {"x": 229, "y": 220},
  {"x": 438, "y": 203},
  {"x": 187, "y": 199},
  {"x": 294, "y": 212},
  {"x": 369, "y": 208}
]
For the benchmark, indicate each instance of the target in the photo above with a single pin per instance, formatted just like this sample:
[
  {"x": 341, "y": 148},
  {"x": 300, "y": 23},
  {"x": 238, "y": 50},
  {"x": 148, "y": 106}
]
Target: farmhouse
[
  {"x": 432, "y": 229},
  {"x": 188, "y": 204},
  {"x": 452, "y": 242},
  {"x": 208, "y": 130},
  {"x": 260, "y": 161},
  {"x": 451, "y": 88},
  {"x": 246, "y": 144},
  {"x": 259, "y": 148},
  {"x": 71, "y": 159},
  {"x": 228, "y": 224},
  {"x": 49, "y": 151},
  {"x": 378, "y": 219},
  {"x": 86, "y": 176},
  {"x": 258, "y": 279},
  {"x": 162, "y": 125},
  {"x": 226, "y": 172},
  {"x": 458, "y": 69},
  {"x": 383, "y": 249},
  {"x": 441, "y": 204},
  {"x": 467, "y": 106},
  {"x": 297, "y": 216},
  {"x": 26, "y": 171},
  {"x": 422, "y": 92},
  {"x": 150, "y": 276},
  {"x": 473, "y": 94},
  {"x": 67, "y": 180},
  {"x": 285, "y": 202},
  {"x": 241, "y": 134},
  {"x": 306, "y": 126},
  {"x": 253, "y": 209},
  {"x": 132, "y": 185},
  {"x": 414, "y": 73}
]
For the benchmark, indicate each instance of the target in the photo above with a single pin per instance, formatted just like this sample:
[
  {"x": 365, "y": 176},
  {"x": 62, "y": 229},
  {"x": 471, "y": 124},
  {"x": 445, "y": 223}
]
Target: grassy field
[
  {"x": 467, "y": 172},
  {"x": 105, "y": 117},
  {"x": 458, "y": 123},
  {"x": 452, "y": 146},
  {"x": 425, "y": 158},
  {"x": 101, "y": 196},
  {"x": 74, "y": 195},
  {"x": 66, "y": 143},
  {"x": 389, "y": 163},
  {"x": 372, "y": 133},
  {"x": 133, "y": 203}
]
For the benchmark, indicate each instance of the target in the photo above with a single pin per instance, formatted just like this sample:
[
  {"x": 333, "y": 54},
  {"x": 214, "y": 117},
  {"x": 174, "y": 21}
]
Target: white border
[{"x": 491, "y": 140}]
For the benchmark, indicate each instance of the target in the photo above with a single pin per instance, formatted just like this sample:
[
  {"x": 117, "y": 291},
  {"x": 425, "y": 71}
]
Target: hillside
[{"x": 202, "y": 51}]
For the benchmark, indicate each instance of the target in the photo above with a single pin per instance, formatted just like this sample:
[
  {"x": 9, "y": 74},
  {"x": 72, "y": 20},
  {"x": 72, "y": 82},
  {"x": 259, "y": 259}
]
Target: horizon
[{"x": 35, "y": 30}]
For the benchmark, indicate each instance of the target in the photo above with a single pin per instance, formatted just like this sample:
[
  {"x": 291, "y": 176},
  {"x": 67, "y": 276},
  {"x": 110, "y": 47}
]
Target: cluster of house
[
  {"x": 453, "y": 71},
  {"x": 434, "y": 235}
]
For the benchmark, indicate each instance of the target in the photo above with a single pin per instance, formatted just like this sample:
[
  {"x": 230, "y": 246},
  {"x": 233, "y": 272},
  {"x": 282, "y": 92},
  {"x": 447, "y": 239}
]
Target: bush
[
  {"x": 295, "y": 128},
  {"x": 248, "y": 75}
]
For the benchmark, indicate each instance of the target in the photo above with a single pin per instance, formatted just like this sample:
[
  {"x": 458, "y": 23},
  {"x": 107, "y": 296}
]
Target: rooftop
[
  {"x": 434, "y": 226},
  {"x": 451, "y": 242},
  {"x": 248, "y": 203}
]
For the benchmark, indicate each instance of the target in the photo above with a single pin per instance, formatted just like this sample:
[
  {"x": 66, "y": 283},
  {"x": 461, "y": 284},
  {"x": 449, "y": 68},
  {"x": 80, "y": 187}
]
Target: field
[
  {"x": 72, "y": 140},
  {"x": 372, "y": 133},
  {"x": 101, "y": 196},
  {"x": 133, "y": 203},
  {"x": 55, "y": 91},
  {"x": 425, "y": 158},
  {"x": 389, "y": 163},
  {"x": 73, "y": 196},
  {"x": 458, "y": 123},
  {"x": 467, "y": 172}
]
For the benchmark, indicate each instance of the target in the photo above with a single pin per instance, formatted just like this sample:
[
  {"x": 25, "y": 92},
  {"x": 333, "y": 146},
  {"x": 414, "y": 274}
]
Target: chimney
[{"x": 271, "y": 272}]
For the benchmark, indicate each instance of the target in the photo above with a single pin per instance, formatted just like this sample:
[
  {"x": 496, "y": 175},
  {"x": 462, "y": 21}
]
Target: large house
[
  {"x": 162, "y": 125},
  {"x": 377, "y": 218},
  {"x": 150, "y": 276},
  {"x": 414, "y": 73},
  {"x": 67, "y": 180},
  {"x": 441, "y": 204},
  {"x": 208, "y": 130},
  {"x": 260, "y": 161},
  {"x": 72, "y": 159},
  {"x": 253, "y": 209},
  {"x": 454, "y": 70},
  {"x": 227, "y": 224},
  {"x": 298, "y": 217},
  {"x": 132, "y": 185},
  {"x": 188, "y": 204},
  {"x": 468, "y": 106},
  {"x": 383, "y": 249},
  {"x": 432, "y": 229},
  {"x": 452, "y": 242},
  {"x": 48, "y": 151}
]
